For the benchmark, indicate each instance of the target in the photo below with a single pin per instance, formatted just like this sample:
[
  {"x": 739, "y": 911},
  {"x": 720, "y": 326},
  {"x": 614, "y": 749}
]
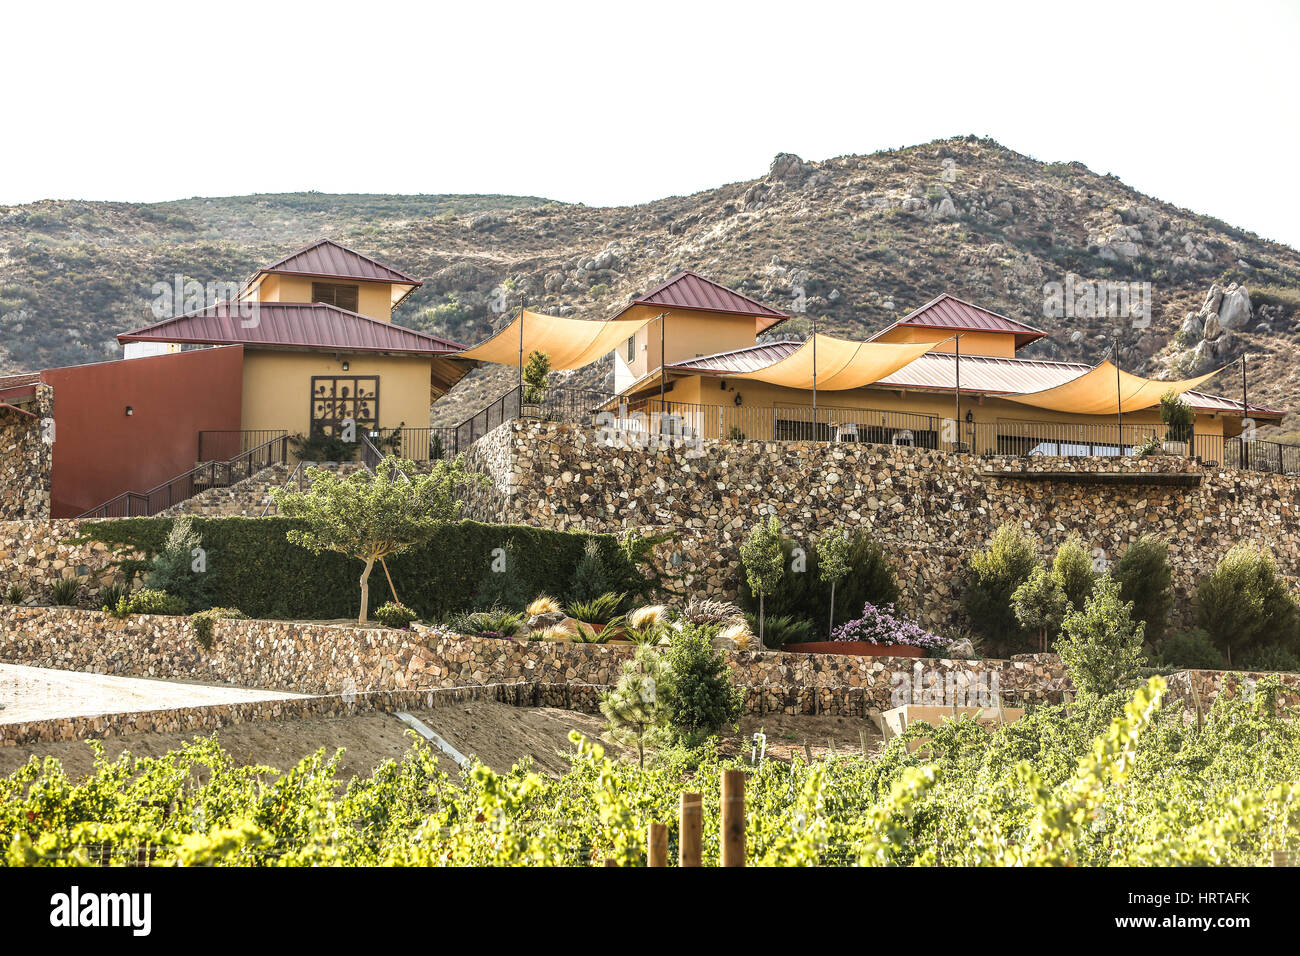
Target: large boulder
[
  {"x": 1235, "y": 310},
  {"x": 789, "y": 168}
]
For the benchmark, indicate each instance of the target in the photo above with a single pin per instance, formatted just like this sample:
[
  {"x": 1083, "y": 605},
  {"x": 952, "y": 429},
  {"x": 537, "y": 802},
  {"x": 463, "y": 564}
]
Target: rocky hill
[{"x": 857, "y": 241}]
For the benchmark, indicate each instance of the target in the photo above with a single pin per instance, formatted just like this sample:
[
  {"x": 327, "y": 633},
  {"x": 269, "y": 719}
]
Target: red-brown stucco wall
[{"x": 100, "y": 451}]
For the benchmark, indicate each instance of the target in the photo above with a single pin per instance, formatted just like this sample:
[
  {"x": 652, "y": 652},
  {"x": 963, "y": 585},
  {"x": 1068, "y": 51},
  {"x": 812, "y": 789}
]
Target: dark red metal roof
[
  {"x": 738, "y": 360},
  {"x": 328, "y": 259},
  {"x": 957, "y": 315},
  {"x": 304, "y": 325},
  {"x": 689, "y": 290}
]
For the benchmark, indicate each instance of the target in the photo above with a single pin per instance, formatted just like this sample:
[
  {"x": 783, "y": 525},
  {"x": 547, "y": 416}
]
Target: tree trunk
[
  {"x": 365, "y": 590},
  {"x": 830, "y": 630},
  {"x": 762, "y": 643},
  {"x": 384, "y": 564}
]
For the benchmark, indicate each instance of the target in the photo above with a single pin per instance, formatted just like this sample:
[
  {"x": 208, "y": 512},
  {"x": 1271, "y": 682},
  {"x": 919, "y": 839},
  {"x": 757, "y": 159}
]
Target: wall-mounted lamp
[
  {"x": 129, "y": 411},
  {"x": 346, "y": 366}
]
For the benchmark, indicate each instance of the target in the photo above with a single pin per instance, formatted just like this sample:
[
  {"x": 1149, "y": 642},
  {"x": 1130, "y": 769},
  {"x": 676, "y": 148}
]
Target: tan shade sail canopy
[
  {"x": 1099, "y": 392},
  {"x": 841, "y": 364},
  {"x": 569, "y": 343}
]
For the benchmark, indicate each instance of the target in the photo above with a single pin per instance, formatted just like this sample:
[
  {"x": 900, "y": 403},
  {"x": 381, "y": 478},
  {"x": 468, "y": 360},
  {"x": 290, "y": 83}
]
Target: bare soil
[{"x": 498, "y": 734}]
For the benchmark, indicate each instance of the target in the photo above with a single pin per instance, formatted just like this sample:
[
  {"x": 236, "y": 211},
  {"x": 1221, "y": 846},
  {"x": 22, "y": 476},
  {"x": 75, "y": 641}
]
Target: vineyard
[{"x": 1116, "y": 781}]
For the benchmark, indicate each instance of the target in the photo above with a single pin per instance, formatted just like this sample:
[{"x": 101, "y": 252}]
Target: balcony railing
[{"x": 225, "y": 445}]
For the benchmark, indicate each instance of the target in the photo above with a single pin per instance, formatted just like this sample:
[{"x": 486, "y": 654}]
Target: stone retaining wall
[
  {"x": 25, "y": 458},
  {"x": 929, "y": 509}
]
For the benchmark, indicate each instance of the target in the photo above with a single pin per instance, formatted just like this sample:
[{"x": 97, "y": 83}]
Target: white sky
[{"x": 613, "y": 103}]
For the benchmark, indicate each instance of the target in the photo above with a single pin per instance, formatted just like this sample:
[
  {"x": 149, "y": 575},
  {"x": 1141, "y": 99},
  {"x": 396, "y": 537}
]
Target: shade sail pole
[
  {"x": 814, "y": 350},
  {"x": 663, "y": 367},
  {"x": 956, "y": 392},
  {"x": 1245, "y": 409},
  {"x": 523, "y": 302},
  {"x": 1119, "y": 398}
]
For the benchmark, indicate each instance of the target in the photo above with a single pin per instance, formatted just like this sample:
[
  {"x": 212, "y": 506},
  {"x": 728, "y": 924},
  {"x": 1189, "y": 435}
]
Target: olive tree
[{"x": 371, "y": 516}]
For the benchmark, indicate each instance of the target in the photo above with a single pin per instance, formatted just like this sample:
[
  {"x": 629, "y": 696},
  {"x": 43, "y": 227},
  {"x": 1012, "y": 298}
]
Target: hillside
[{"x": 866, "y": 237}]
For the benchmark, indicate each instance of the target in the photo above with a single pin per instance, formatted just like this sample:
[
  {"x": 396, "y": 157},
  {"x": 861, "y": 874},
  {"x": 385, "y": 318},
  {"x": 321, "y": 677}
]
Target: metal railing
[
  {"x": 225, "y": 445},
  {"x": 213, "y": 474}
]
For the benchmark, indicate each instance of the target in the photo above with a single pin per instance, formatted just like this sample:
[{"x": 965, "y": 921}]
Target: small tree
[
  {"x": 764, "y": 562},
  {"x": 536, "y": 372},
  {"x": 591, "y": 578},
  {"x": 1177, "y": 416},
  {"x": 992, "y": 577},
  {"x": 1243, "y": 603},
  {"x": 370, "y": 516},
  {"x": 1102, "y": 646},
  {"x": 180, "y": 568},
  {"x": 1040, "y": 604},
  {"x": 1144, "y": 580},
  {"x": 833, "y": 552},
  {"x": 698, "y": 697},
  {"x": 635, "y": 707},
  {"x": 1072, "y": 568}
]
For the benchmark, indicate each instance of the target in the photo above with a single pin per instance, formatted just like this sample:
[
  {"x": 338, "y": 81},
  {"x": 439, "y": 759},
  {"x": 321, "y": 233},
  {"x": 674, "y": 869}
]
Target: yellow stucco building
[{"x": 319, "y": 346}]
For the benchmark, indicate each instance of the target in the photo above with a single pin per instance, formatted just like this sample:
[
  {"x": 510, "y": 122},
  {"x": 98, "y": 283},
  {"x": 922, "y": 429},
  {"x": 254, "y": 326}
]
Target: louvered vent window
[{"x": 343, "y": 296}]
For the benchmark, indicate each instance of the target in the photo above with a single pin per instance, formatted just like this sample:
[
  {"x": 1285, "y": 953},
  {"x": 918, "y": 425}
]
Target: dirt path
[{"x": 498, "y": 734}]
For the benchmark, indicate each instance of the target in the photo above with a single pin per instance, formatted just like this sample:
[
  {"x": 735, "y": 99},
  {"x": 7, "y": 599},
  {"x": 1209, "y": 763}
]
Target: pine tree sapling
[
  {"x": 180, "y": 568},
  {"x": 536, "y": 372},
  {"x": 1144, "y": 579},
  {"x": 764, "y": 562},
  {"x": 833, "y": 550},
  {"x": 697, "y": 693},
  {"x": 1244, "y": 603},
  {"x": 1101, "y": 646},
  {"x": 370, "y": 516},
  {"x": 591, "y": 578},
  {"x": 634, "y": 708}
]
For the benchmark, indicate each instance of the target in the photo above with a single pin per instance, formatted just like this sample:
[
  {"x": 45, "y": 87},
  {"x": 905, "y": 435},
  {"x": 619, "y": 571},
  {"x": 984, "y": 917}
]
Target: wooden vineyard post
[
  {"x": 692, "y": 830},
  {"x": 733, "y": 818},
  {"x": 657, "y": 843}
]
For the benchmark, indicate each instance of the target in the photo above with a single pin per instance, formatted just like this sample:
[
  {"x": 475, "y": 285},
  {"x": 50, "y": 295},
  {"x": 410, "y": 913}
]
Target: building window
[
  {"x": 343, "y": 296},
  {"x": 338, "y": 398},
  {"x": 631, "y": 349}
]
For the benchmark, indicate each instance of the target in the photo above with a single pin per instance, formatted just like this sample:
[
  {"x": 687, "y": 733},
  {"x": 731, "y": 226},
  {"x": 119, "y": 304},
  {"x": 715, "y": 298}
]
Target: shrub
[
  {"x": 1243, "y": 603},
  {"x": 1191, "y": 650},
  {"x": 110, "y": 594},
  {"x": 174, "y": 569},
  {"x": 1271, "y": 658},
  {"x": 591, "y": 578},
  {"x": 699, "y": 697},
  {"x": 599, "y": 610},
  {"x": 536, "y": 372},
  {"x": 882, "y": 625},
  {"x": 148, "y": 601},
  {"x": 781, "y": 630},
  {"x": 395, "y": 614},
  {"x": 15, "y": 593},
  {"x": 496, "y": 622},
  {"x": 319, "y": 446},
  {"x": 1072, "y": 568},
  {"x": 1101, "y": 646},
  {"x": 1177, "y": 417},
  {"x": 544, "y": 604},
  {"x": 252, "y": 566},
  {"x": 705, "y": 611},
  {"x": 992, "y": 577},
  {"x": 202, "y": 623},
  {"x": 645, "y": 625},
  {"x": 64, "y": 591},
  {"x": 1144, "y": 579}
]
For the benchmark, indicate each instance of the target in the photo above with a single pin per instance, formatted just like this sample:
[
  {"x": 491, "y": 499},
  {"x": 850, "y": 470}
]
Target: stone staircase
[{"x": 250, "y": 498}]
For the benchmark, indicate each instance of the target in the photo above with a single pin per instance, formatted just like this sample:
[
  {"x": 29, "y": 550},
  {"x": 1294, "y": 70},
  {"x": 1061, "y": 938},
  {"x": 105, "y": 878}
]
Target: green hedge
[{"x": 255, "y": 569}]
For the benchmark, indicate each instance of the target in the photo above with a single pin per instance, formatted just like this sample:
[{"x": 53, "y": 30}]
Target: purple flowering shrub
[{"x": 882, "y": 625}]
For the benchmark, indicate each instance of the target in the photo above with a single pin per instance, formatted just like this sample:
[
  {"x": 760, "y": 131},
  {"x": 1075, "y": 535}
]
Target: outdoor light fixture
[
  {"x": 345, "y": 366},
  {"x": 129, "y": 411}
]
